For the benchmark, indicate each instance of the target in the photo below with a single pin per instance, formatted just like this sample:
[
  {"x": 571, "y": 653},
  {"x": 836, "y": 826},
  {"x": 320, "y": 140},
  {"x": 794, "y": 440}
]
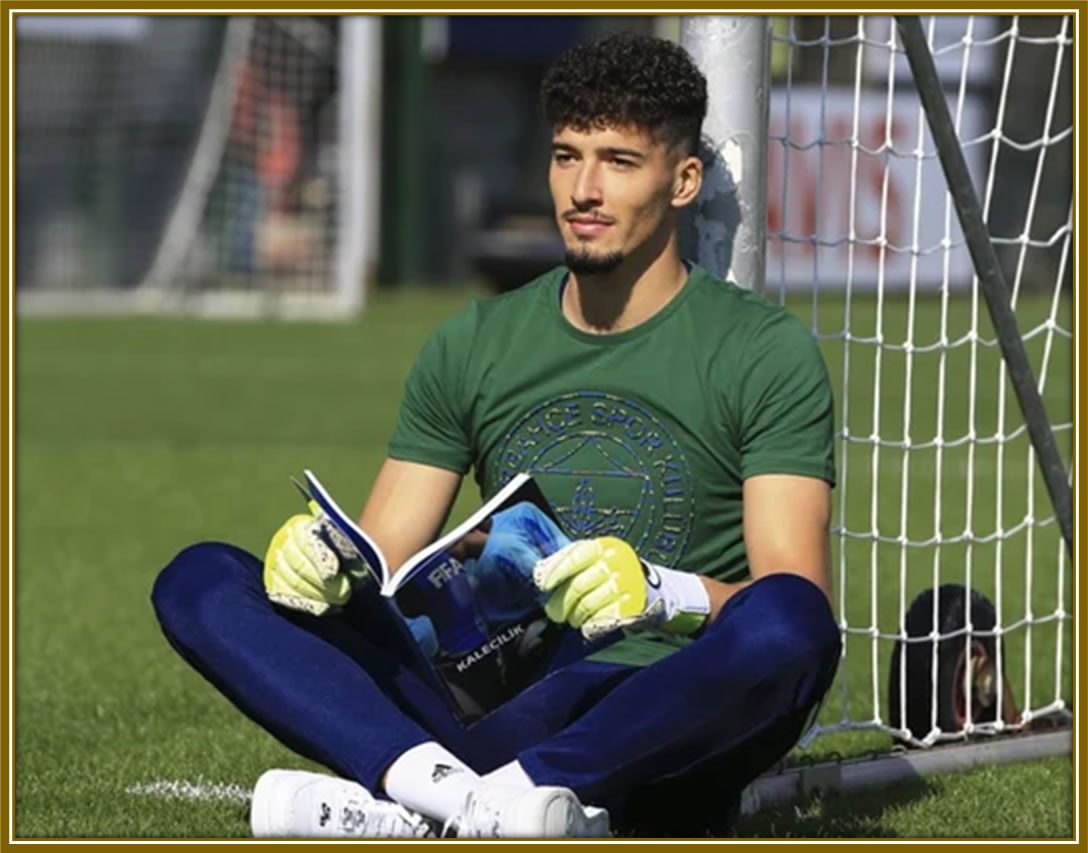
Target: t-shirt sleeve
[
  {"x": 431, "y": 425},
  {"x": 785, "y": 407}
]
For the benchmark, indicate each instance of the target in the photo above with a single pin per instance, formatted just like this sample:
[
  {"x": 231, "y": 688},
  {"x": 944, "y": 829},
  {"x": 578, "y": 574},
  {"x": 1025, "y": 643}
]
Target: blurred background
[
  {"x": 323, "y": 155},
  {"x": 384, "y": 171},
  {"x": 119, "y": 117}
]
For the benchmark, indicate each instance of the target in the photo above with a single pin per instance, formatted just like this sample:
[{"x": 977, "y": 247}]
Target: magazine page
[
  {"x": 521, "y": 488},
  {"x": 473, "y": 608},
  {"x": 367, "y": 550}
]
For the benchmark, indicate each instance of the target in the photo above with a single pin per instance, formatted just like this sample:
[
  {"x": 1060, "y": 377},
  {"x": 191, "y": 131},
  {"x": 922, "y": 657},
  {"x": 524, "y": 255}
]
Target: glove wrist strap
[{"x": 687, "y": 604}]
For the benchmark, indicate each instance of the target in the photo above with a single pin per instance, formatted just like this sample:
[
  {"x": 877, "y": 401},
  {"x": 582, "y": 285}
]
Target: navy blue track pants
[{"x": 666, "y": 747}]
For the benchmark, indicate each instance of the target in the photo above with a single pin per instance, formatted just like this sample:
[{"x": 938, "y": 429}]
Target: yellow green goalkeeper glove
[
  {"x": 599, "y": 585},
  {"x": 308, "y": 565}
]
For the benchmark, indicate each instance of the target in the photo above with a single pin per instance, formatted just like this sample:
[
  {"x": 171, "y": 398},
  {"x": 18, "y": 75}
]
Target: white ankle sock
[
  {"x": 512, "y": 775},
  {"x": 431, "y": 780}
]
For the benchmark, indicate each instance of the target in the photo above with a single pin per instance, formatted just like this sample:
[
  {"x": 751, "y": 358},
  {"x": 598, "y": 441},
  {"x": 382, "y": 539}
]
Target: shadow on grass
[{"x": 835, "y": 815}]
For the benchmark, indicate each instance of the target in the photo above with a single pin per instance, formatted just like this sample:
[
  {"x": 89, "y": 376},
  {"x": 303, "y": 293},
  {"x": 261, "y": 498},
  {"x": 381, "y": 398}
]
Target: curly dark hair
[{"x": 628, "y": 79}]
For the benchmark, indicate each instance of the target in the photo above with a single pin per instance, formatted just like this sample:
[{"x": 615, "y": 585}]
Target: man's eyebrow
[
  {"x": 607, "y": 151},
  {"x": 624, "y": 152}
]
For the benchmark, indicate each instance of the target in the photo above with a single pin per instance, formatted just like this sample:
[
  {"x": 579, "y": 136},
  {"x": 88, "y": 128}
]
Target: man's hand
[
  {"x": 600, "y": 585},
  {"x": 306, "y": 566}
]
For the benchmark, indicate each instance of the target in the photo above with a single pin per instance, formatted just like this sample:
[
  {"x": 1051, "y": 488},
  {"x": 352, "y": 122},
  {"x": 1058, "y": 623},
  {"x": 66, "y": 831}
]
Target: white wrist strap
[{"x": 685, "y": 598}]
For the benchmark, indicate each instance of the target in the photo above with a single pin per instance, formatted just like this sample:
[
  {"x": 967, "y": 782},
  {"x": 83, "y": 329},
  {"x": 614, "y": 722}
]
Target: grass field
[{"x": 136, "y": 437}]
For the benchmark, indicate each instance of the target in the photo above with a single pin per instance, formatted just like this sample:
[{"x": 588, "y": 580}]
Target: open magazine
[{"x": 467, "y": 614}]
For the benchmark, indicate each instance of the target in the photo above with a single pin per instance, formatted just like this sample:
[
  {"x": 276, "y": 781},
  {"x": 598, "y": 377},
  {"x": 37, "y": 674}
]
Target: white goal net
[
  {"x": 202, "y": 164},
  {"x": 938, "y": 484}
]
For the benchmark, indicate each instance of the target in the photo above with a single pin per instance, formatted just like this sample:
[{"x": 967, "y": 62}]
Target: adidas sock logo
[{"x": 441, "y": 771}]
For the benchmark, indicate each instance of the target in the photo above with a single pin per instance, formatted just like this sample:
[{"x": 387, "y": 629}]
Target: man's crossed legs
[{"x": 666, "y": 748}]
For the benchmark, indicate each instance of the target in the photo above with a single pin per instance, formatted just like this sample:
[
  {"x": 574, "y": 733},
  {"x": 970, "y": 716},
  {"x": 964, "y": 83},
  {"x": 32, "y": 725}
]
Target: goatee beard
[{"x": 581, "y": 262}]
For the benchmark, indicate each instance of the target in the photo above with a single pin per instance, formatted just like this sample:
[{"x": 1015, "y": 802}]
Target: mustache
[{"x": 571, "y": 215}]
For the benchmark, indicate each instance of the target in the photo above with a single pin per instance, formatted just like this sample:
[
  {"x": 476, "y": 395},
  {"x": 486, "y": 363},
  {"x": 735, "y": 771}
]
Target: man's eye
[
  {"x": 622, "y": 163},
  {"x": 562, "y": 158}
]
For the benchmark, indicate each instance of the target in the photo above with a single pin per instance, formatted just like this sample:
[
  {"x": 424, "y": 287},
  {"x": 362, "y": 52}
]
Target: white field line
[{"x": 182, "y": 789}]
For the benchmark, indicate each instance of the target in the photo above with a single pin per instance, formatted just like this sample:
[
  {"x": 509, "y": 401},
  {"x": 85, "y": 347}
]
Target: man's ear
[{"x": 687, "y": 180}]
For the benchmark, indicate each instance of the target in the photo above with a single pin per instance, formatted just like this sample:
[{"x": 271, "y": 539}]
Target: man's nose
[{"x": 587, "y": 188}]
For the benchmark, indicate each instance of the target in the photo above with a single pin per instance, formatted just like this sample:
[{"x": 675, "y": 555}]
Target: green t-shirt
[{"x": 645, "y": 434}]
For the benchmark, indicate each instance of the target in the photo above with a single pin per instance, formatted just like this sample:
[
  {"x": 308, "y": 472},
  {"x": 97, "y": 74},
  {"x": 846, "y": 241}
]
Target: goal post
[
  {"x": 729, "y": 220},
  {"x": 257, "y": 195},
  {"x": 939, "y": 486}
]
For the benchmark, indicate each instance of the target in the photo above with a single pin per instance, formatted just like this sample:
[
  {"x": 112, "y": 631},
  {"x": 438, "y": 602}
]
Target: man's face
[{"x": 613, "y": 191}]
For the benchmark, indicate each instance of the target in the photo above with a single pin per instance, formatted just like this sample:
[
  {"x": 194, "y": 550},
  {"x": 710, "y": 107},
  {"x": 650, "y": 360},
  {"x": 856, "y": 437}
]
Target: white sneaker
[
  {"x": 297, "y": 804},
  {"x": 494, "y": 811}
]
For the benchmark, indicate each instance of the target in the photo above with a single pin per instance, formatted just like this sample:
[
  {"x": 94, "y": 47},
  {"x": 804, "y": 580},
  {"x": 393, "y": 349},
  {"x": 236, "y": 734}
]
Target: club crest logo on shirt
[{"x": 609, "y": 467}]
